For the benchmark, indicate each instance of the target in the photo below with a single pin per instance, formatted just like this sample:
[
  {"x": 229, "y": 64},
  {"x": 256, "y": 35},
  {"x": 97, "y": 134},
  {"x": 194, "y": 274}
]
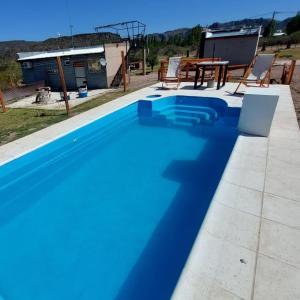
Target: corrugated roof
[
  {"x": 63, "y": 52},
  {"x": 247, "y": 31}
]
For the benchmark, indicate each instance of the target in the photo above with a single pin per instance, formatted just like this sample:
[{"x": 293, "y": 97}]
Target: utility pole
[
  {"x": 273, "y": 16},
  {"x": 63, "y": 83},
  {"x": 58, "y": 40},
  {"x": 72, "y": 37}
]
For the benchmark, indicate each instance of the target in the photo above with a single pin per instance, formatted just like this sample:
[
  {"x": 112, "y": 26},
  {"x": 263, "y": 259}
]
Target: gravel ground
[
  {"x": 139, "y": 81},
  {"x": 295, "y": 86}
]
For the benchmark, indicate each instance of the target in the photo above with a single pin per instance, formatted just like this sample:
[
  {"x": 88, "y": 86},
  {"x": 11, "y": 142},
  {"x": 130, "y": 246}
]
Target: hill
[
  {"x": 240, "y": 23},
  {"x": 182, "y": 32},
  {"x": 8, "y": 49}
]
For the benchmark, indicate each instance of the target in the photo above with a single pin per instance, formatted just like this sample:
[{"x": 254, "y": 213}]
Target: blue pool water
[{"x": 111, "y": 211}]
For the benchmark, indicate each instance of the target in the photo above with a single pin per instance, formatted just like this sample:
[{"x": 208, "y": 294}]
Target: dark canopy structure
[{"x": 133, "y": 31}]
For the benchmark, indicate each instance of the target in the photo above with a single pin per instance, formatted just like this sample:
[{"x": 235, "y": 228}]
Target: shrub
[{"x": 293, "y": 25}]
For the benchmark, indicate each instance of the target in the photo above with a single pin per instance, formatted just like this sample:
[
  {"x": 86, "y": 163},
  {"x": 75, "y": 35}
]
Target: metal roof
[
  {"x": 241, "y": 32},
  {"x": 63, "y": 52}
]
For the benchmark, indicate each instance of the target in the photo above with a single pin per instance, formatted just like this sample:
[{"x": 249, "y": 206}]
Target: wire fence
[{"x": 21, "y": 92}]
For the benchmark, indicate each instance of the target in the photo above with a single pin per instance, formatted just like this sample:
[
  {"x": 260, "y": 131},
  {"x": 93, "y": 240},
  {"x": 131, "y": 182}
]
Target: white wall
[{"x": 113, "y": 59}]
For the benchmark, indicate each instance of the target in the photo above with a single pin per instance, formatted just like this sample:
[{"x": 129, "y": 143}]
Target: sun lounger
[
  {"x": 259, "y": 71},
  {"x": 173, "y": 73}
]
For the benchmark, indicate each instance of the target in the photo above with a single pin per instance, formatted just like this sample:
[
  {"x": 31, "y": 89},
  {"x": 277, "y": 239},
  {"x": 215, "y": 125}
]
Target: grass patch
[
  {"x": 18, "y": 122},
  {"x": 292, "y": 53}
]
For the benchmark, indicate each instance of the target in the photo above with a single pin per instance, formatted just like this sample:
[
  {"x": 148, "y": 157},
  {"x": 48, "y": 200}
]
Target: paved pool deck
[{"x": 248, "y": 247}]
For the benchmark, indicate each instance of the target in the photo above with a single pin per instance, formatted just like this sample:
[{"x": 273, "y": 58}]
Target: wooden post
[
  {"x": 4, "y": 109},
  {"x": 63, "y": 83},
  {"x": 162, "y": 71},
  {"x": 291, "y": 72},
  {"x": 187, "y": 70},
  {"x": 144, "y": 61},
  {"x": 123, "y": 70}
]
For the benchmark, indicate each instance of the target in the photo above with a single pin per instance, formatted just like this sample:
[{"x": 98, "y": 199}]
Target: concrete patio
[
  {"x": 249, "y": 244},
  {"x": 56, "y": 102}
]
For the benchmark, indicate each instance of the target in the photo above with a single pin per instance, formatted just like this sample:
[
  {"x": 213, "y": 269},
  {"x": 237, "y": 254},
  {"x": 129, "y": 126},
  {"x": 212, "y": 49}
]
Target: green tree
[
  {"x": 293, "y": 25},
  {"x": 270, "y": 28},
  {"x": 193, "y": 37},
  {"x": 152, "y": 58},
  {"x": 295, "y": 37}
]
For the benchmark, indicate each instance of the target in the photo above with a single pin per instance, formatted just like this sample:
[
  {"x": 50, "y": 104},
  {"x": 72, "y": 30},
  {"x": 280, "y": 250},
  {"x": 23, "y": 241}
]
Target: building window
[
  {"x": 52, "y": 71},
  {"x": 94, "y": 66},
  {"x": 27, "y": 65},
  {"x": 67, "y": 62}
]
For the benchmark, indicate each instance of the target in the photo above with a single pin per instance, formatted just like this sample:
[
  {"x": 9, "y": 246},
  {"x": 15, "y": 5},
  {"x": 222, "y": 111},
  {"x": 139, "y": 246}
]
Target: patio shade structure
[
  {"x": 63, "y": 83},
  {"x": 131, "y": 31},
  {"x": 134, "y": 31}
]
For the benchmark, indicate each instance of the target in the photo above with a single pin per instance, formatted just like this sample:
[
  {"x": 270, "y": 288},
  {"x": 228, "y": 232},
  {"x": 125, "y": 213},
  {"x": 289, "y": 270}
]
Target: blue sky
[{"x": 38, "y": 20}]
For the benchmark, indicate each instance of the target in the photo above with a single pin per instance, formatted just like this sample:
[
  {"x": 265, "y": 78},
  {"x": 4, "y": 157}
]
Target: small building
[
  {"x": 236, "y": 46},
  {"x": 279, "y": 32},
  {"x": 96, "y": 67}
]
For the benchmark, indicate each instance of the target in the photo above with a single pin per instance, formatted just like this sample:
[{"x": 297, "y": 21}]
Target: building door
[{"x": 80, "y": 74}]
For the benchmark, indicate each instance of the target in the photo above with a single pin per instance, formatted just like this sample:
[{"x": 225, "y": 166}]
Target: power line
[{"x": 272, "y": 12}]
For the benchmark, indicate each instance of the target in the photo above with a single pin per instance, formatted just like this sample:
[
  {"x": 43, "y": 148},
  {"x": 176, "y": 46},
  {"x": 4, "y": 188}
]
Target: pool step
[
  {"x": 202, "y": 116},
  {"x": 210, "y": 113},
  {"x": 183, "y": 121},
  {"x": 175, "y": 120},
  {"x": 190, "y": 117},
  {"x": 190, "y": 108}
]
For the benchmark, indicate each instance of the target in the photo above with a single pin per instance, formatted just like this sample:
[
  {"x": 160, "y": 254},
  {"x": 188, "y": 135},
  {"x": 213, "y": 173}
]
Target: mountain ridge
[{"x": 9, "y": 49}]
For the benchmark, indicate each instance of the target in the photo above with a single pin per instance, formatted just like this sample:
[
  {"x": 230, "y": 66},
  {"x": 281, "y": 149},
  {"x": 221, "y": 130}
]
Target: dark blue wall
[{"x": 46, "y": 70}]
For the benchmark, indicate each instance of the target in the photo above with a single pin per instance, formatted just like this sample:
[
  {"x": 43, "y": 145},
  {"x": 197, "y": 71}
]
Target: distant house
[
  {"x": 279, "y": 33},
  {"x": 95, "y": 67},
  {"x": 236, "y": 46}
]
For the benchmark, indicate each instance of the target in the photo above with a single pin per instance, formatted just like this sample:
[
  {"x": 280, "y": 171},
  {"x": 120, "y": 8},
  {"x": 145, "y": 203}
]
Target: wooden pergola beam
[{"x": 63, "y": 83}]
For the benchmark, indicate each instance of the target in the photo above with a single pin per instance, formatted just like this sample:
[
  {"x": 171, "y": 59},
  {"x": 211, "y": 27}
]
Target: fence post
[
  {"x": 187, "y": 70},
  {"x": 4, "y": 109},
  {"x": 63, "y": 83},
  {"x": 144, "y": 61},
  {"x": 124, "y": 70}
]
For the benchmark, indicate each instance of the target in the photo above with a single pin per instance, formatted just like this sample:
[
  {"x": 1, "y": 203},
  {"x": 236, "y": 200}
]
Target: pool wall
[
  {"x": 192, "y": 175},
  {"x": 226, "y": 261}
]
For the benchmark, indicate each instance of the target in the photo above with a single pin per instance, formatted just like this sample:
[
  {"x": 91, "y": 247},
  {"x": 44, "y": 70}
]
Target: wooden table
[{"x": 203, "y": 65}]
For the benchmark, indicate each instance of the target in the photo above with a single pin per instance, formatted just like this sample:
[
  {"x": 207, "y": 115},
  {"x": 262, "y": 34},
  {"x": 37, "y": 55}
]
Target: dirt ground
[
  {"x": 140, "y": 81},
  {"x": 295, "y": 88}
]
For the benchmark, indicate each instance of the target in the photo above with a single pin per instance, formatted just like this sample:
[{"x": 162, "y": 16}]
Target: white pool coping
[{"x": 248, "y": 247}]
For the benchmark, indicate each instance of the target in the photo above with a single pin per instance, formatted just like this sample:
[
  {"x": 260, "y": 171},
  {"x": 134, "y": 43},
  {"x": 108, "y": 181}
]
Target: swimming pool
[{"x": 111, "y": 210}]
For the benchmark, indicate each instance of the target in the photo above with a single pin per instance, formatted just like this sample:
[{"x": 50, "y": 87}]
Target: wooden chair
[
  {"x": 173, "y": 75},
  {"x": 259, "y": 71}
]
